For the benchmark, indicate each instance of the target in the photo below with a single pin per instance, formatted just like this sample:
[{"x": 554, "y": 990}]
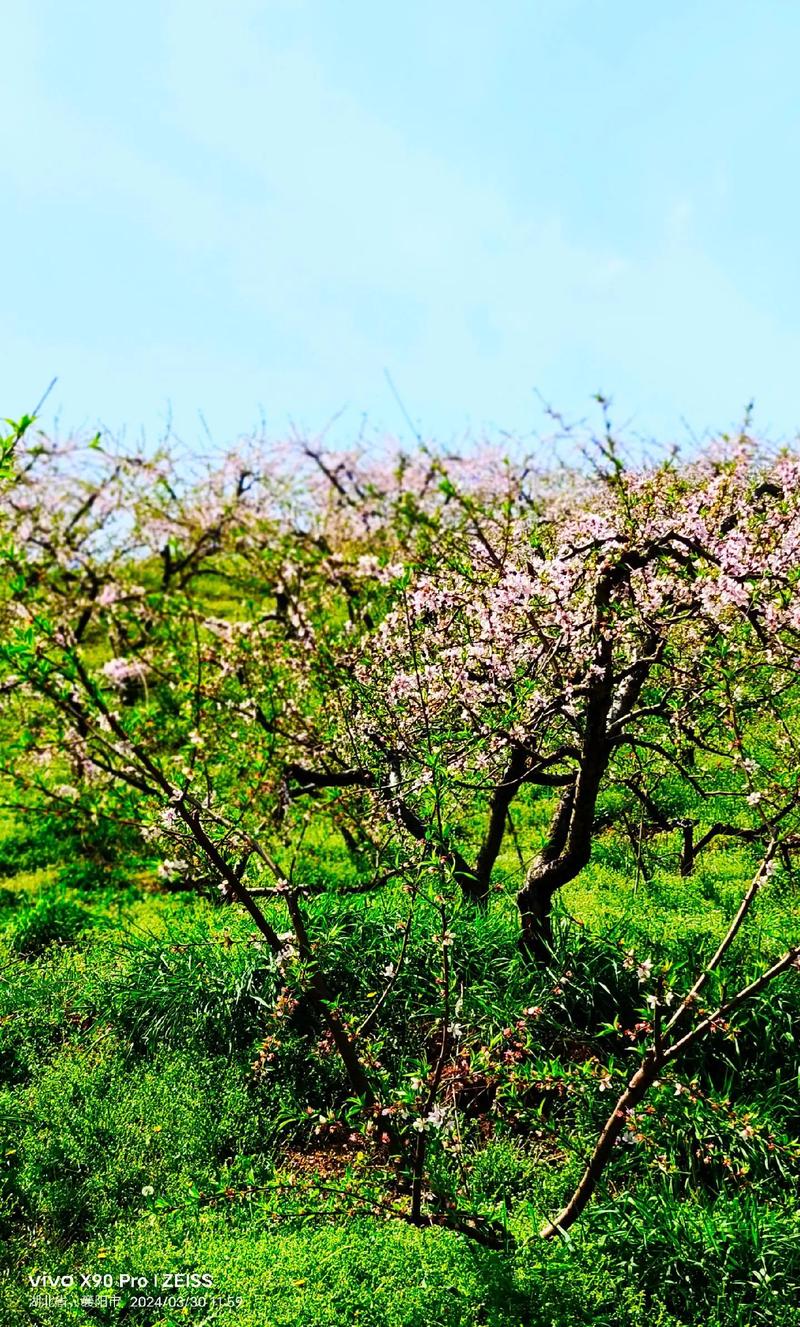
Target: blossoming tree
[
  {"x": 612, "y": 641},
  {"x": 412, "y": 654}
]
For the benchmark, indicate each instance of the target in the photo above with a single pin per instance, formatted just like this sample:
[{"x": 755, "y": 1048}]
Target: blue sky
[{"x": 254, "y": 208}]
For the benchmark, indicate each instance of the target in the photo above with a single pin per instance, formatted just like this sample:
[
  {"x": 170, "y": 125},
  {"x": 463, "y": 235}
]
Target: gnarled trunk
[{"x": 569, "y": 844}]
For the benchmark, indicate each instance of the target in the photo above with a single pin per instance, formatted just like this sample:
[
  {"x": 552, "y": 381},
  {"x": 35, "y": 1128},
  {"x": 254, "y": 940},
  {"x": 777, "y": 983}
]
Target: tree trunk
[
  {"x": 474, "y": 888},
  {"x": 536, "y": 918},
  {"x": 535, "y": 899},
  {"x": 569, "y": 845}
]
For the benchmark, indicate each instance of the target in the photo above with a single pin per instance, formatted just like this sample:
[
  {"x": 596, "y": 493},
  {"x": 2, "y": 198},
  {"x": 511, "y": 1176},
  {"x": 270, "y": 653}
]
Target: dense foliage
[{"x": 301, "y": 753}]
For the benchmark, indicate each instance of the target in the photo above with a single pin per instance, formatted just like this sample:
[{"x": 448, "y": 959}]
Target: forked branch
[{"x": 664, "y": 1050}]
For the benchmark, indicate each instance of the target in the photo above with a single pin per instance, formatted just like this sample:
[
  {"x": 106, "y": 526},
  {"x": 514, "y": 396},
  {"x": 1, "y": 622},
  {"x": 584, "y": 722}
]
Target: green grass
[{"x": 136, "y": 1134}]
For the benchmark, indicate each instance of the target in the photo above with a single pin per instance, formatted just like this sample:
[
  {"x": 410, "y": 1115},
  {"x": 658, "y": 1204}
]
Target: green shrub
[
  {"x": 53, "y": 920},
  {"x": 188, "y": 987}
]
